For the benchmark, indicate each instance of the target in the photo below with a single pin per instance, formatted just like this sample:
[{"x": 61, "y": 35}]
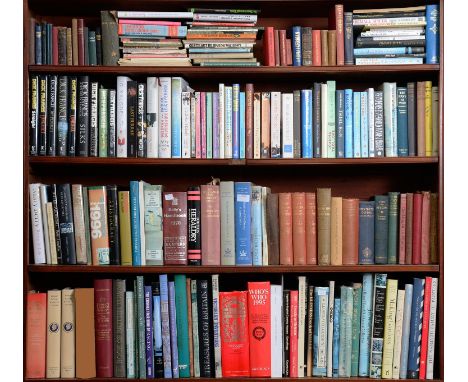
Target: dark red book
[
  {"x": 282, "y": 46},
  {"x": 402, "y": 230},
  {"x": 175, "y": 228},
  {"x": 269, "y": 47},
  {"x": 336, "y": 22},
  {"x": 425, "y": 227},
  {"x": 55, "y": 49},
  {"x": 81, "y": 42},
  {"x": 417, "y": 222},
  {"x": 293, "y": 334},
  {"x": 277, "y": 47},
  {"x": 425, "y": 327},
  {"x": 249, "y": 93},
  {"x": 103, "y": 328},
  {"x": 316, "y": 48},
  {"x": 211, "y": 225}
]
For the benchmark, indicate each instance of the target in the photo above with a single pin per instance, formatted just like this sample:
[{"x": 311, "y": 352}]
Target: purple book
[
  {"x": 203, "y": 123},
  {"x": 149, "y": 332},
  {"x": 235, "y": 121},
  {"x": 216, "y": 125},
  {"x": 173, "y": 329}
]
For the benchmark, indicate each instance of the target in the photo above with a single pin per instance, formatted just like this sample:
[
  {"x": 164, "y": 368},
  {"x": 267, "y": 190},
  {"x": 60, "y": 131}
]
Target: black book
[
  {"x": 43, "y": 115},
  {"x": 118, "y": 327},
  {"x": 52, "y": 115},
  {"x": 113, "y": 224},
  {"x": 98, "y": 46},
  {"x": 65, "y": 215},
  {"x": 45, "y": 60},
  {"x": 205, "y": 329},
  {"x": 348, "y": 38},
  {"x": 82, "y": 149},
  {"x": 297, "y": 124},
  {"x": 317, "y": 120},
  {"x": 411, "y": 119},
  {"x": 112, "y": 148},
  {"x": 52, "y": 195},
  {"x": 286, "y": 329},
  {"x": 309, "y": 348},
  {"x": 132, "y": 100},
  {"x": 34, "y": 116},
  {"x": 194, "y": 225},
  {"x": 62, "y": 116},
  {"x": 379, "y": 146},
  {"x": 72, "y": 106},
  {"x": 38, "y": 44},
  {"x": 62, "y": 45},
  {"x": 141, "y": 122},
  {"x": 158, "y": 349},
  {"x": 94, "y": 122}
]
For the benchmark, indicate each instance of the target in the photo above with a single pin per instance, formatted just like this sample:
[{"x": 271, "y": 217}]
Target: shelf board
[
  {"x": 118, "y": 269},
  {"x": 225, "y": 379}
]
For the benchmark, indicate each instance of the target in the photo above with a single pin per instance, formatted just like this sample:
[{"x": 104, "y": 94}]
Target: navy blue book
[
  {"x": 49, "y": 44},
  {"x": 417, "y": 308},
  {"x": 38, "y": 44},
  {"x": 296, "y": 46},
  {"x": 44, "y": 43},
  {"x": 402, "y": 121},
  {"x": 317, "y": 120},
  {"x": 340, "y": 123},
  {"x": 381, "y": 229},
  {"x": 366, "y": 232},
  {"x": 432, "y": 34},
  {"x": 242, "y": 202}
]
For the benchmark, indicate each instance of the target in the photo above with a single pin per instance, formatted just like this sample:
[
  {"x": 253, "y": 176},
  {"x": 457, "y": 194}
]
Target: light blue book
[
  {"x": 432, "y": 34},
  {"x": 235, "y": 121},
  {"x": 256, "y": 226},
  {"x": 242, "y": 125},
  {"x": 178, "y": 85},
  {"x": 306, "y": 123},
  {"x": 130, "y": 333},
  {"x": 320, "y": 331},
  {"x": 209, "y": 125},
  {"x": 135, "y": 222},
  {"x": 356, "y": 124},
  {"x": 346, "y": 324},
  {"x": 336, "y": 337},
  {"x": 364, "y": 126},
  {"x": 140, "y": 314},
  {"x": 406, "y": 331},
  {"x": 173, "y": 330},
  {"x": 366, "y": 324},
  {"x": 242, "y": 215},
  {"x": 228, "y": 122},
  {"x": 216, "y": 50},
  {"x": 356, "y": 329},
  {"x": 381, "y": 51},
  {"x": 390, "y": 119},
  {"x": 165, "y": 327},
  {"x": 348, "y": 123},
  {"x": 158, "y": 344}
]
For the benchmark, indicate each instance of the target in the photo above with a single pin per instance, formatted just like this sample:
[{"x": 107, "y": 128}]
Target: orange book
[
  {"x": 316, "y": 48},
  {"x": 99, "y": 232},
  {"x": 265, "y": 128},
  {"x": 84, "y": 331},
  {"x": 36, "y": 335},
  {"x": 311, "y": 228},
  {"x": 285, "y": 225},
  {"x": 299, "y": 228},
  {"x": 350, "y": 231}
]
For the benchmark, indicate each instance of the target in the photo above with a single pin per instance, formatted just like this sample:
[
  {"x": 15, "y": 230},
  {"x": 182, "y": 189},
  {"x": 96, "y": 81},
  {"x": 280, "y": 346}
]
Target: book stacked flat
[
  {"x": 222, "y": 37},
  {"x": 153, "y": 38}
]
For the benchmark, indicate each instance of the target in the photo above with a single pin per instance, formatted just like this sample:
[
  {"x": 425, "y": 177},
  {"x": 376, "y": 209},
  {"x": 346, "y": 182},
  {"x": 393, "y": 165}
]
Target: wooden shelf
[{"x": 237, "y": 379}]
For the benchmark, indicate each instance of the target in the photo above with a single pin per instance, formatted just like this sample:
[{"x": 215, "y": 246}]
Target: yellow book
[
  {"x": 336, "y": 255},
  {"x": 125, "y": 231},
  {"x": 428, "y": 116},
  {"x": 435, "y": 121},
  {"x": 389, "y": 328}
]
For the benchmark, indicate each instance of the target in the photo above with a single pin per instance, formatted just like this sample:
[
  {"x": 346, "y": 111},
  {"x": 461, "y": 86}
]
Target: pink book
[
  {"x": 203, "y": 123},
  {"x": 402, "y": 236},
  {"x": 197, "y": 126},
  {"x": 149, "y": 22}
]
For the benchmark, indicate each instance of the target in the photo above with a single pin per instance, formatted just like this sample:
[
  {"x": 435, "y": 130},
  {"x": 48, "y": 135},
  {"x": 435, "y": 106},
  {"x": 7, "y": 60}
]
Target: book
[
  {"x": 336, "y": 231},
  {"x": 398, "y": 333},
  {"x": 432, "y": 34},
  {"x": 110, "y": 42},
  {"x": 165, "y": 326},
  {"x": 256, "y": 226},
  {"x": 149, "y": 350},
  {"x": 194, "y": 251},
  {"x": 432, "y": 329},
  {"x": 175, "y": 227},
  {"x": 157, "y": 330},
  {"x": 393, "y": 200},
  {"x": 276, "y": 292},
  {"x": 113, "y": 225},
  {"x": 66, "y": 227},
  {"x": 323, "y": 225},
  {"x": 210, "y": 216},
  {"x": 118, "y": 327},
  {"x": 265, "y": 125},
  {"x": 381, "y": 229},
  {"x": 36, "y": 332},
  {"x": 425, "y": 326},
  {"x": 153, "y": 224},
  {"x": 366, "y": 325},
  {"x": 331, "y": 308},
  {"x": 226, "y": 193},
  {"x": 85, "y": 361},
  {"x": 311, "y": 228},
  {"x": 103, "y": 324},
  {"x": 389, "y": 328},
  {"x": 350, "y": 231},
  {"x": 205, "y": 329},
  {"x": 415, "y": 328},
  {"x": 377, "y": 341},
  {"x": 293, "y": 334},
  {"x": 301, "y": 323},
  {"x": 173, "y": 330},
  {"x": 286, "y": 249},
  {"x": 67, "y": 334},
  {"x": 98, "y": 225},
  {"x": 37, "y": 226},
  {"x": 320, "y": 331},
  {"x": 336, "y": 336},
  {"x": 182, "y": 325},
  {"x": 242, "y": 209},
  {"x": 298, "y": 203},
  {"x": 406, "y": 330}
]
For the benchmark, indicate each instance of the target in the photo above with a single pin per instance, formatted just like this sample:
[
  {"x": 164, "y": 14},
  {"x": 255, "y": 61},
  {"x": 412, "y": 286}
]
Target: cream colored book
[
  {"x": 389, "y": 328},
  {"x": 78, "y": 221},
  {"x": 54, "y": 322},
  {"x": 336, "y": 231},
  {"x": 51, "y": 228},
  {"x": 67, "y": 336},
  {"x": 301, "y": 324},
  {"x": 256, "y": 125},
  {"x": 324, "y": 110},
  {"x": 398, "y": 333}
]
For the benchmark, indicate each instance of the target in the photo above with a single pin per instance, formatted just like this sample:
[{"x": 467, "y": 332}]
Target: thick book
[
  {"x": 175, "y": 227},
  {"x": 194, "y": 249},
  {"x": 272, "y": 229},
  {"x": 226, "y": 194},
  {"x": 417, "y": 227},
  {"x": 36, "y": 331},
  {"x": 165, "y": 326},
  {"x": 182, "y": 325},
  {"x": 103, "y": 324},
  {"x": 242, "y": 209},
  {"x": 298, "y": 202},
  {"x": 66, "y": 227},
  {"x": 210, "y": 221},
  {"x": 432, "y": 329},
  {"x": 377, "y": 342},
  {"x": 132, "y": 118},
  {"x": 98, "y": 225},
  {"x": 205, "y": 329},
  {"x": 141, "y": 126},
  {"x": 402, "y": 230},
  {"x": 118, "y": 327},
  {"x": 140, "y": 326},
  {"x": 85, "y": 360},
  {"x": 336, "y": 231},
  {"x": 323, "y": 225},
  {"x": 265, "y": 125},
  {"x": 110, "y": 41},
  {"x": 52, "y": 106},
  {"x": 432, "y": 34},
  {"x": 415, "y": 333},
  {"x": 381, "y": 229},
  {"x": 348, "y": 38}
]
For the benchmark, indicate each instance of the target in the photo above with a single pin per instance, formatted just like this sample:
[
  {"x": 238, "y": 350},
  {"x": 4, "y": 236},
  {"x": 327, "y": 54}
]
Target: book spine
[
  {"x": 415, "y": 333},
  {"x": 140, "y": 326},
  {"x": 62, "y": 116},
  {"x": 286, "y": 255},
  {"x": 425, "y": 327},
  {"x": 165, "y": 117},
  {"x": 356, "y": 124},
  {"x": 348, "y": 123},
  {"x": 256, "y": 225},
  {"x": 265, "y": 255},
  {"x": 37, "y": 227},
  {"x": 36, "y": 332},
  {"x": 406, "y": 331},
  {"x": 432, "y": 34},
  {"x": 216, "y": 326},
  {"x": 390, "y": 119},
  {"x": 157, "y": 331},
  {"x": 79, "y": 224},
  {"x": 428, "y": 117},
  {"x": 249, "y": 99},
  {"x": 324, "y": 118},
  {"x": 182, "y": 326},
  {"x": 92, "y": 48},
  {"x": 54, "y": 323},
  {"x": 348, "y": 38},
  {"x": 298, "y": 203},
  {"x": 176, "y": 118},
  {"x": 94, "y": 120},
  {"x": 228, "y": 122},
  {"x": 125, "y": 230},
  {"x": 175, "y": 227},
  {"x": 103, "y": 134},
  {"x": 336, "y": 231},
  {"x": 272, "y": 228},
  {"x": 194, "y": 249},
  {"x": 371, "y": 120},
  {"x": 53, "y": 190},
  {"x": 34, "y": 114},
  {"x": 287, "y": 112},
  {"x": 366, "y": 325},
  {"x": 323, "y": 225},
  {"x": 324, "y": 46},
  {"x": 411, "y": 118},
  {"x": 149, "y": 350},
  {"x": 242, "y": 209},
  {"x": 336, "y": 337},
  {"x": 221, "y": 118},
  {"x": 340, "y": 124},
  {"x": 356, "y": 329},
  {"x": 417, "y": 228},
  {"x": 268, "y": 47},
  {"x": 215, "y": 122},
  {"x": 393, "y": 207},
  {"x": 205, "y": 324},
  {"x": 389, "y": 328},
  {"x": 241, "y": 124},
  {"x": 398, "y": 332},
  {"x": 331, "y": 125},
  {"x": 82, "y": 146},
  {"x": 104, "y": 327},
  {"x": 210, "y": 234},
  {"x": 227, "y": 223},
  {"x": 364, "y": 126},
  {"x": 198, "y": 135},
  {"x": 118, "y": 325},
  {"x": 402, "y": 230},
  {"x": 195, "y": 329},
  {"x": 113, "y": 225},
  {"x": 110, "y": 42},
  {"x": 142, "y": 128},
  {"x": 296, "y": 45},
  {"x": 331, "y": 309},
  {"x": 185, "y": 124},
  {"x": 435, "y": 121},
  {"x": 316, "y": 48},
  {"x": 276, "y": 331},
  {"x": 112, "y": 124},
  {"x": 165, "y": 327},
  {"x": 43, "y": 200},
  {"x": 432, "y": 329},
  {"x": 286, "y": 331},
  {"x": 152, "y": 115},
  {"x": 235, "y": 121},
  {"x": 135, "y": 222},
  {"x": 296, "y": 123},
  {"x": 306, "y": 124},
  {"x": 293, "y": 334},
  {"x": 377, "y": 342},
  {"x": 65, "y": 215},
  {"x": 320, "y": 331},
  {"x": 306, "y": 46},
  {"x": 38, "y": 43},
  {"x": 381, "y": 229},
  {"x": 311, "y": 228},
  {"x": 257, "y": 125},
  {"x": 402, "y": 121},
  {"x": 121, "y": 116},
  {"x": 379, "y": 123}
]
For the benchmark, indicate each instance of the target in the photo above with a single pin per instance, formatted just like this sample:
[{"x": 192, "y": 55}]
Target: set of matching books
[
  {"x": 163, "y": 117},
  {"x": 186, "y": 327}
]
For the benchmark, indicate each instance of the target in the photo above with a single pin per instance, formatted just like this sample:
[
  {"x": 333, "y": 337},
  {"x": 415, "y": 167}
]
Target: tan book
[
  {"x": 69, "y": 47},
  {"x": 323, "y": 225},
  {"x": 85, "y": 344},
  {"x": 265, "y": 129},
  {"x": 311, "y": 229},
  {"x": 350, "y": 231},
  {"x": 54, "y": 322},
  {"x": 67, "y": 336},
  {"x": 420, "y": 119},
  {"x": 336, "y": 231},
  {"x": 78, "y": 221},
  {"x": 74, "y": 31},
  {"x": 324, "y": 45},
  {"x": 285, "y": 228},
  {"x": 51, "y": 229},
  {"x": 332, "y": 47}
]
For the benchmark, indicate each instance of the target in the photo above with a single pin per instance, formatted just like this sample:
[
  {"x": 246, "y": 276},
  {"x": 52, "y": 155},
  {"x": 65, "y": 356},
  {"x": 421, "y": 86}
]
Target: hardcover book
[{"x": 175, "y": 227}]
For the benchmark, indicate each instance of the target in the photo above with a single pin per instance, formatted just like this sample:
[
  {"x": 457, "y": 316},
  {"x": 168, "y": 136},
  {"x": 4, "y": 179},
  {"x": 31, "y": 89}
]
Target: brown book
[
  {"x": 336, "y": 231},
  {"x": 336, "y": 21},
  {"x": 425, "y": 227},
  {"x": 32, "y": 41},
  {"x": 409, "y": 229},
  {"x": 323, "y": 225},
  {"x": 272, "y": 226},
  {"x": 282, "y": 45},
  {"x": 74, "y": 30},
  {"x": 81, "y": 42},
  {"x": 211, "y": 225},
  {"x": 265, "y": 128},
  {"x": 190, "y": 324},
  {"x": 277, "y": 47},
  {"x": 311, "y": 229},
  {"x": 69, "y": 47},
  {"x": 285, "y": 227},
  {"x": 420, "y": 118},
  {"x": 84, "y": 321},
  {"x": 433, "y": 233},
  {"x": 316, "y": 48},
  {"x": 175, "y": 228},
  {"x": 298, "y": 200},
  {"x": 350, "y": 231},
  {"x": 417, "y": 223},
  {"x": 288, "y": 51},
  {"x": 324, "y": 46},
  {"x": 103, "y": 326},
  {"x": 402, "y": 231},
  {"x": 332, "y": 47},
  {"x": 249, "y": 92}
]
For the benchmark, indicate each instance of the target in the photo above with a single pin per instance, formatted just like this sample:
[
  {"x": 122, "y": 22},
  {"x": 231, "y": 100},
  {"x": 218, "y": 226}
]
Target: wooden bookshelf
[{"x": 347, "y": 177}]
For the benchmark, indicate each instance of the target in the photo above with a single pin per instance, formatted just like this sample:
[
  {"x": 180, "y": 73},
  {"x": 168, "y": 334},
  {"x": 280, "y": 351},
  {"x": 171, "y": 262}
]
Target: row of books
[
  {"x": 228, "y": 223},
  {"x": 163, "y": 328},
  {"x": 163, "y": 117}
]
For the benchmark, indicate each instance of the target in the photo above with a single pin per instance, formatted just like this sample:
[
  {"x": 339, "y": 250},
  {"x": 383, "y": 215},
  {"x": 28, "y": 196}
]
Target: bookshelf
[{"x": 347, "y": 177}]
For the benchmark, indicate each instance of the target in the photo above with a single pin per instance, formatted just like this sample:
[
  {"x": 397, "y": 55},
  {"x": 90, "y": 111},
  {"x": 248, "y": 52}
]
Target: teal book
[
  {"x": 366, "y": 324},
  {"x": 356, "y": 329},
  {"x": 209, "y": 125},
  {"x": 331, "y": 128},
  {"x": 336, "y": 337},
  {"x": 356, "y": 125},
  {"x": 381, "y": 229},
  {"x": 141, "y": 330},
  {"x": 346, "y": 325},
  {"x": 393, "y": 225},
  {"x": 376, "y": 348},
  {"x": 182, "y": 325},
  {"x": 135, "y": 222},
  {"x": 103, "y": 121}
]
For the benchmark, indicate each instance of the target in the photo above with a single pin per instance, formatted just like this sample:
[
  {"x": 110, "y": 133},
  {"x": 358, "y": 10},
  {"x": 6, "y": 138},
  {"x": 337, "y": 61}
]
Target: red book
[
  {"x": 211, "y": 225},
  {"x": 234, "y": 334},
  {"x": 260, "y": 329},
  {"x": 277, "y": 47},
  {"x": 311, "y": 229},
  {"x": 425, "y": 227},
  {"x": 175, "y": 228},
  {"x": 299, "y": 227},
  {"x": 198, "y": 144},
  {"x": 288, "y": 52},
  {"x": 269, "y": 47},
  {"x": 203, "y": 123},
  {"x": 81, "y": 48},
  {"x": 249, "y": 91},
  {"x": 282, "y": 46},
  {"x": 402, "y": 230},
  {"x": 425, "y": 327},
  {"x": 36, "y": 335},
  {"x": 316, "y": 48},
  {"x": 336, "y": 22},
  {"x": 293, "y": 343},
  {"x": 417, "y": 221},
  {"x": 103, "y": 327},
  {"x": 55, "y": 60},
  {"x": 285, "y": 228}
]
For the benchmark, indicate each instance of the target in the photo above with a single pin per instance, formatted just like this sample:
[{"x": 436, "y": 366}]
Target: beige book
[
  {"x": 67, "y": 345},
  {"x": 74, "y": 31},
  {"x": 389, "y": 328},
  {"x": 51, "y": 228},
  {"x": 398, "y": 333},
  {"x": 54, "y": 312},
  {"x": 78, "y": 221},
  {"x": 336, "y": 255},
  {"x": 69, "y": 47}
]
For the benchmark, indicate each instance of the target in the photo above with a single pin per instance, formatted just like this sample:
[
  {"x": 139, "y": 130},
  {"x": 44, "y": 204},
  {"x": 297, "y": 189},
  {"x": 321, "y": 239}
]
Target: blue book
[
  {"x": 348, "y": 123},
  {"x": 356, "y": 125},
  {"x": 242, "y": 125},
  {"x": 432, "y": 34},
  {"x": 346, "y": 325},
  {"x": 149, "y": 332},
  {"x": 220, "y": 50},
  {"x": 405, "y": 335},
  {"x": 141, "y": 332},
  {"x": 364, "y": 126},
  {"x": 165, "y": 326},
  {"x": 38, "y": 44},
  {"x": 173, "y": 330},
  {"x": 157, "y": 332},
  {"x": 359, "y": 52},
  {"x": 228, "y": 133},
  {"x": 336, "y": 337},
  {"x": 320, "y": 331},
  {"x": 340, "y": 123},
  {"x": 242, "y": 197},
  {"x": 209, "y": 125},
  {"x": 135, "y": 222},
  {"x": 402, "y": 121},
  {"x": 306, "y": 123},
  {"x": 366, "y": 324},
  {"x": 256, "y": 214},
  {"x": 417, "y": 307},
  {"x": 235, "y": 121},
  {"x": 215, "y": 125},
  {"x": 366, "y": 232},
  {"x": 296, "y": 45}
]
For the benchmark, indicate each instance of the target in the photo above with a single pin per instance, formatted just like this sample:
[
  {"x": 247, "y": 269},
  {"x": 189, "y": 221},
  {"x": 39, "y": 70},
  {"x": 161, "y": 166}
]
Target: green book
[
  {"x": 393, "y": 227},
  {"x": 381, "y": 229},
  {"x": 182, "y": 325},
  {"x": 92, "y": 48},
  {"x": 356, "y": 329},
  {"x": 140, "y": 297},
  {"x": 346, "y": 323},
  {"x": 331, "y": 140},
  {"x": 209, "y": 125},
  {"x": 103, "y": 121}
]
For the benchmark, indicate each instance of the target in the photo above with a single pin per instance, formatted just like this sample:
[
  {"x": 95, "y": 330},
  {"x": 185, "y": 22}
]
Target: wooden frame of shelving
[{"x": 370, "y": 176}]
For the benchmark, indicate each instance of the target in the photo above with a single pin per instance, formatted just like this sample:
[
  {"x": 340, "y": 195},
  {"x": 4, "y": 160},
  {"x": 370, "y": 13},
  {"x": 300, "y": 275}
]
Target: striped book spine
[{"x": 415, "y": 328}]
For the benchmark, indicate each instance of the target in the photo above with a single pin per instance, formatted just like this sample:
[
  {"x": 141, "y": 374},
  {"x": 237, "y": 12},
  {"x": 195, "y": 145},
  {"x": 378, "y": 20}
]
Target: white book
[
  {"x": 141, "y": 198},
  {"x": 122, "y": 116},
  {"x": 152, "y": 115},
  {"x": 79, "y": 224},
  {"x": 276, "y": 331},
  {"x": 178, "y": 86},
  {"x": 67, "y": 335},
  {"x": 130, "y": 333},
  {"x": 301, "y": 324},
  {"x": 228, "y": 250},
  {"x": 165, "y": 109},
  {"x": 196, "y": 351},
  {"x": 287, "y": 117},
  {"x": 331, "y": 309},
  {"x": 51, "y": 228},
  {"x": 221, "y": 122},
  {"x": 37, "y": 227},
  {"x": 391, "y": 32},
  {"x": 324, "y": 122},
  {"x": 220, "y": 17},
  {"x": 331, "y": 126},
  {"x": 390, "y": 122},
  {"x": 228, "y": 122},
  {"x": 265, "y": 192},
  {"x": 257, "y": 121},
  {"x": 45, "y": 225},
  {"x": 275, "y": 124},
  {"x": 216, "y": 326},
  {"x": 398, "y": 333},
  {"x": 186, "y": 126},
  {"x": 154, "y": 15},
  {"x": 432, "y": 330},
  {"x": 388, "y": 60},
  {"x": 370, "y": 121}
]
